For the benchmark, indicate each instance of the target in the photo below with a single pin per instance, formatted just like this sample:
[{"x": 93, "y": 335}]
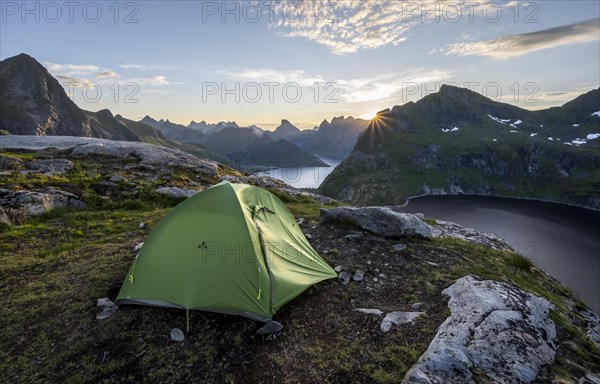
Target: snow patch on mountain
[
  {"x": 450, "y": 130},
  {"x": 514, "y": 125},
  {"x": 499, "y": 120}
]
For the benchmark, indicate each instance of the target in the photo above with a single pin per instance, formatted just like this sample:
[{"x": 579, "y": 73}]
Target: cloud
[
  {"x": 517, "y": 45},
  {"x": 352, "y": 25},
  {"x": 106, "y": 74},
  {"x": 71, "y": 69},
  {"x": 151, "y": 81},
  {"x": 142, "y": 67},
  {"x": 262, "y": 75},
  {"x": 157, "y": 91},
  {"x": 77, "y": 72},
  {"x": 388, "y": 86},
  {"x": 70, "y": 81}
]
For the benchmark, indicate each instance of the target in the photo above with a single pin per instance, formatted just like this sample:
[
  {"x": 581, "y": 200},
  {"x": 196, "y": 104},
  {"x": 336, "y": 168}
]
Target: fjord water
[
  {"x": 303, "y": 177},
  {"x": 561, "y": 239}
]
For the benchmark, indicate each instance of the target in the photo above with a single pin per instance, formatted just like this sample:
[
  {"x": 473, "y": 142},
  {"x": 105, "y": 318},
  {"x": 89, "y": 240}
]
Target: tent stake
[{"x": 187, "y": 320}]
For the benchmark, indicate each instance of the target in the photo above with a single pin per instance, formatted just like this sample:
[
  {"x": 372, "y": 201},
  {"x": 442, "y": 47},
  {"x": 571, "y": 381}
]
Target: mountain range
[
  {"x": 35, "y": 103},
  {"x": 457, "y": 141}
]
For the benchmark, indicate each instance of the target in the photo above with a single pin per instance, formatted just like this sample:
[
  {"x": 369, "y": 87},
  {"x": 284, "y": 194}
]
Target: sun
[{"x": 369, "y": 115}]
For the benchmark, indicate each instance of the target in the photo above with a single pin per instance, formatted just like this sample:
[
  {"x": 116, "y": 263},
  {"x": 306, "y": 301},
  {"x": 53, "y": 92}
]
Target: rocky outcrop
[
  {"x": 381, "y": 221},
  {"x": 18, "y": 205},
  {"x": 176, "y": 192},
  {"x": 593, "y": 325},
  {"x": 495, "y": 329},
  {"x": 49, "y": 167},
  {"x": 83, "y": 146},
  {"x": 457, "y": 231},
  {"x": 269, "y": 182}
]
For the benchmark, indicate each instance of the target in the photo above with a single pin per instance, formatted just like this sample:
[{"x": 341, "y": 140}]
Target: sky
[{"x": 257, "y": 62}]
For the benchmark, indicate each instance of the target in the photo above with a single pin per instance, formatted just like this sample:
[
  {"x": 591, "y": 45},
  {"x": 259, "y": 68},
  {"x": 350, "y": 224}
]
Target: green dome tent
[{"x": 233, "y": 249}]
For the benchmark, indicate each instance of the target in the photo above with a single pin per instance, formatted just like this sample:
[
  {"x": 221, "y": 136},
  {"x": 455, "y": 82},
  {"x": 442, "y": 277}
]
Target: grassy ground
[{"x": 54, "y": 267}]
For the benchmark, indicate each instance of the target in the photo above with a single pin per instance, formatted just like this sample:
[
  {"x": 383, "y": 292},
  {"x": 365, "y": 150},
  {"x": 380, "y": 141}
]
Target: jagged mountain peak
[{"x": 35, "y": 103}]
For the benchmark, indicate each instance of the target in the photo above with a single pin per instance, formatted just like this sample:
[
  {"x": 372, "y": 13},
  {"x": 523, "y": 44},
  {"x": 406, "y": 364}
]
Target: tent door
[{"x": 265, "y": 256}]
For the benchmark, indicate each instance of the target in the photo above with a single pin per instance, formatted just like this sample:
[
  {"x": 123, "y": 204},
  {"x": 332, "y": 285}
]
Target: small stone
[
  {"x": 308, "y": 236},
  {"x": 344, "y": 278},
  {"x": 382, "y": 276},
  {"x": 105, "y": 308},
  {"x": 398, "y": 318},
  {"x": 142, "y": 225},
  {"x": 270, "y": 328},
  {"x": 177, "y": 334},
  {"x": 359, "y": 275},
  {"x": 352, "y": 236},
  {"x": 399, "y": 247},
  {"x": 419, "y": 215},
  {"x": 417, "y": 306},
  {"x": 338, "y": 269},
  {"x": 375, "y": 279},
  {"x": 370, "y": 311},
  {"x": 300, "y": 221},
  {"x": 369, "y": 262},
  {"x": 432, "y": 263},
  {"x": 138, "y": 247},
  {"x": 116, "y": 178}
]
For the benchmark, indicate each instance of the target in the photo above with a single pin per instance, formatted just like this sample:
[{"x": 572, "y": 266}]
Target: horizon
[{"x": 217, "y": 61}]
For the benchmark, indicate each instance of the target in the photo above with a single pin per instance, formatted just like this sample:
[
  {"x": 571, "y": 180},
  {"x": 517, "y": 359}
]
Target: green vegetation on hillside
[
  {"x": 450, "y": 144},
  {"x": 55, "y": 266}
]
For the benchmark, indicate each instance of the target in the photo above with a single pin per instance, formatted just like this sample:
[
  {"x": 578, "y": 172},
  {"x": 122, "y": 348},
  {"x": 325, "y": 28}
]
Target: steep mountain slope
[
  {"x": 457, "y": 141},
  {"x": 151, "y": 135},
  {"x": 236, "y": 144},
  {"x": 177, "y": 132},
  {"x": 333, "y": 140},
  {"x": 285, "y": 130},
  {"x": 279, "y": 153},
  {"x": 245, "y": 147},
  {"x": 35, "y": 103}
]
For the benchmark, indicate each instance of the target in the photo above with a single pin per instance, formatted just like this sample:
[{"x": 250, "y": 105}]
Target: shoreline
[{"x": 408, "y": 199}]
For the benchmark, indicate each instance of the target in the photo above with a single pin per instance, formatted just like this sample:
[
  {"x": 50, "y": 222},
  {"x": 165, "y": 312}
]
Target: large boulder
[
  {"x": 20, "y": 204},
  {"x": 85, "y": 146},
  {"x": 381, "y": 221},
  {"x": 176, "y": 191},
  {"x": 50, "y": 167},
  {"x": 494, "y": 328}
]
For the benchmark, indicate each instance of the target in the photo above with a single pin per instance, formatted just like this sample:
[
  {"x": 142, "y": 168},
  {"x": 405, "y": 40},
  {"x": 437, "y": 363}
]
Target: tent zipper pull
[
  {"x": 259, "y": 280},
  {"x": 133, "y": 269}
]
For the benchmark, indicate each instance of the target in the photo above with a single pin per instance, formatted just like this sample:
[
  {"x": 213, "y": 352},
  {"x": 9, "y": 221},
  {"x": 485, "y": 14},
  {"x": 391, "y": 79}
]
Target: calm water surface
[
  {"x": 303, "y": 177},
  {"x": 563, "y": 240}
]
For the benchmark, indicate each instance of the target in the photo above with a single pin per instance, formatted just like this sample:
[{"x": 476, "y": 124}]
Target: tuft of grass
[
  {"x": 521, "y": 262},
  {"x": 429, "y": 221}
]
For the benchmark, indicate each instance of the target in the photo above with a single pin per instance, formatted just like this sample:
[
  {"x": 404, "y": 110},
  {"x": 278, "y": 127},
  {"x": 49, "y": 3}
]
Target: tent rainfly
[{"x": 232, "y": 248}]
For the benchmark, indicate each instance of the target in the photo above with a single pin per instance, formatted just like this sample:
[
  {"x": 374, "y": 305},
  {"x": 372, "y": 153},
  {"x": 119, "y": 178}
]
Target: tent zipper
[{"x": 266, "y": 258}]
